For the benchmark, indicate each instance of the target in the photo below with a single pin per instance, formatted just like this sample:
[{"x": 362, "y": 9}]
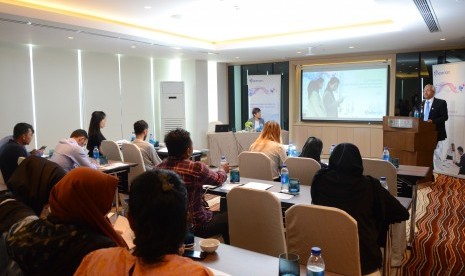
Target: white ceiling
[{"x": 235, "y": 31}]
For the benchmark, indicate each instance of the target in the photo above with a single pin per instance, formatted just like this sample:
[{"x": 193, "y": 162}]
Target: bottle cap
[
  {"x": 382, "y": 178},
  {"x": 316, "y": 250}
]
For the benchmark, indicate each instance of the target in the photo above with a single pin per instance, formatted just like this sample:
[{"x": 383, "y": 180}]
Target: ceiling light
[
  {"x": 442, "y": 39},
  {"x": 237, "y": 57},
  {"x": 71, "y": 37},
  {"x": 176, "y": 48},
  {"x": 351, "y": 47},
  {"x": 29, "y": 23},
  {"x": 299, "y": 52},
  {"x": 133, "y": 46},
  {"x": 147, "y": 7},
  {"x": 210, "y": 53}
]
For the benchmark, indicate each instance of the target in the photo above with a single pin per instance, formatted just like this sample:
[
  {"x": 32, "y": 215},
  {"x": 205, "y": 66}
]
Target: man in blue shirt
[{"x": 70, "y": 153}]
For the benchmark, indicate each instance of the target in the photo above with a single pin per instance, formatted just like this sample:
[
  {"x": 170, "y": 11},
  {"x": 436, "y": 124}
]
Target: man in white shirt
[
  {"x": 70, "y": 153},
  {"x": 149, "y": 154}
]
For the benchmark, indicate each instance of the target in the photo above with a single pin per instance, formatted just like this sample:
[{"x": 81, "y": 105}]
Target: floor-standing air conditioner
[{"x": 173, "y": 108}]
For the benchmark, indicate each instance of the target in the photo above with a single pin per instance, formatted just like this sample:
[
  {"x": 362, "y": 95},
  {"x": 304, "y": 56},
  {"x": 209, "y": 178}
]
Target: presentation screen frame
[{"x": 361, "y": 94}]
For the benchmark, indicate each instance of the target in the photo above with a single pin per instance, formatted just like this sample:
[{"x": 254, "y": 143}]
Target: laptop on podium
[{"x": 221, "y": 128}]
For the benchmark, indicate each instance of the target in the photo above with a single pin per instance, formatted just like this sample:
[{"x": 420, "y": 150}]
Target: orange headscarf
[{"x": 85, "y": 196}]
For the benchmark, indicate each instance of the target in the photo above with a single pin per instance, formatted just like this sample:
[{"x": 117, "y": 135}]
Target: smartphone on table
[{"x": 194, "y": 254}]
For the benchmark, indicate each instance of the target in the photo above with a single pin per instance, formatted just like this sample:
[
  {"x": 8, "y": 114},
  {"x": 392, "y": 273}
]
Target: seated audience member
[
  {"x": 98, "y": 121},
  {"x": 149, "y": 154},
  {"x": 343, "y": 185},
  {"x": 76, "y": 225},
  {"x": 257, "y": 119},
  {"x": 70, "y": 153},
  {"x": 461, "y": 163},
  {"x": 4, "y": 141},
  {"x": 269, "y": 142},
  {"x": 29, "y": 189},
  {"x": 15, "y": 148},
  {"x": 312, "y": 149},
  {"x": 157, "y": 214},
  {"x": 195, "y": 174}
]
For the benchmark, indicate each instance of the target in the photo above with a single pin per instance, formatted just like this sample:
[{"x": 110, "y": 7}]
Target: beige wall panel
[
  {"x": 328, "y": 136},
  {"x": 362, "y": 140},
  {"x": 376, "y": 142},
  {"x": 345, "y": 135}
]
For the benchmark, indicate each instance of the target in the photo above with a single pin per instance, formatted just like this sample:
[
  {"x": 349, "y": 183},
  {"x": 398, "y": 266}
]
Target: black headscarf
[
  {"x": 33, "y": 180},
  {"x": 346, "y": 159},
  {"x": 343, "y": 185}
]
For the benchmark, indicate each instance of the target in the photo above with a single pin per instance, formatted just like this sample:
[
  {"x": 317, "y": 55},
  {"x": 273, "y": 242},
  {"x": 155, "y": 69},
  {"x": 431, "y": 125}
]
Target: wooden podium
[{"x": 411, "y": 140}]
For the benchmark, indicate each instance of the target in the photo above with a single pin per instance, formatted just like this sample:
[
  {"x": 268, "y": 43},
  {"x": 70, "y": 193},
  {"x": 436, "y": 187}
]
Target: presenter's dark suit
[{"x": 439, "y": 115}]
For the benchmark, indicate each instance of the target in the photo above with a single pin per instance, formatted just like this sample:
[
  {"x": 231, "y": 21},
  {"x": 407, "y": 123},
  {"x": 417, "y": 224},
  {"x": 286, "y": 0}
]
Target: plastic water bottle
[
  {"x": 290, "y": 150},
  {"x": 386, "y": 154},
  {"x": 331, "y": 149},
  {"x": 315, "y": 264},
  {"x": 383, "y": 181},
  {"x": 96, "y": 154},
  {"x": 223, "y": 161},
  {"x": 284, "y": 179},
  {"x": 151, "y": 140},
  {"x": 133, "y": 136},
  {"x": 416, "y": 113}
]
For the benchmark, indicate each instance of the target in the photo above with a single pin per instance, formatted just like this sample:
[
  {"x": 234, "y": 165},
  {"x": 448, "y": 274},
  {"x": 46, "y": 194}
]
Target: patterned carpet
[{"x": 439, "y": 245}]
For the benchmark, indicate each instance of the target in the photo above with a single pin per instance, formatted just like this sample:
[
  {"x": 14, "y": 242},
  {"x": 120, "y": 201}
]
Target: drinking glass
[
  {"x": 294, "y": 186},
  {"x": 289, "y": 264}
]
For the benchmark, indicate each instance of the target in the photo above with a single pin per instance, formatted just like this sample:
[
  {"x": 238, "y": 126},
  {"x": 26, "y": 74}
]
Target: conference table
[
  {"x": 231, "y": 260},
  {"x": 303, "y": 197},
  {"x": 231, "y": 144}
]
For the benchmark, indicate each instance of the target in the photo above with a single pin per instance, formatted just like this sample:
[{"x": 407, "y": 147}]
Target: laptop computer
[{"x": 221, "y": 128}]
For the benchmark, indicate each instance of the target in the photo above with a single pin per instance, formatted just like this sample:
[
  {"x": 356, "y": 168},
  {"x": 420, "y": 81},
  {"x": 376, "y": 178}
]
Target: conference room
[{"x": 157, "y": 62}]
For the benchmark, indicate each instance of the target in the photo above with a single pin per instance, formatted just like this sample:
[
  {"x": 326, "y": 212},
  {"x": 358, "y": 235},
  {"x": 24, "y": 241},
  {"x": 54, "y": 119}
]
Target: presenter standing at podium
[{"x": 435, "y": 111}]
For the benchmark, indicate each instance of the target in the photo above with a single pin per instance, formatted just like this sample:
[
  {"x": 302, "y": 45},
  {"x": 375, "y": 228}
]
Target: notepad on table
[
  {"x": 228, "y": 187},
  {"x": 282, "y": 195},
  {"x": 257, "y": 186}
]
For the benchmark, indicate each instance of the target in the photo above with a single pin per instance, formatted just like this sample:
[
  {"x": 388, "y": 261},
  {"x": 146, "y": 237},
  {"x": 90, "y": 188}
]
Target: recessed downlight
[{"x": 442, "y": 39}]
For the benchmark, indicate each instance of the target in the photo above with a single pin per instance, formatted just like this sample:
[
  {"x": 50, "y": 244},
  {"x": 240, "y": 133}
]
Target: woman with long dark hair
[
  {"x": 312, "y": 149},
  {"x": 157, "y": 214},
  {"x": 97, "y": 122}
]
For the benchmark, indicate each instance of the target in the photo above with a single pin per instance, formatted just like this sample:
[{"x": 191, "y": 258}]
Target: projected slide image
[{"x": 347, "y": 94}]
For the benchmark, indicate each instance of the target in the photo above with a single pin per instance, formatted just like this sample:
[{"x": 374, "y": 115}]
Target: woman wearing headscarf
[
  {"x": 157, "y": 214},
  {"x": 312, "y": 149},
  {"x": 29, "y": 189},
  {"x": 343, "y": 185},
  {"x": 76, "y": 225},
  {"x": 269, "y": 143}
]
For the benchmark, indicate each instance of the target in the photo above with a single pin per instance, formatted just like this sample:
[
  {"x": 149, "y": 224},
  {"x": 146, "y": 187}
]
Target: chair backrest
[
  {"x": 131, "y": 153},
  {"x": 111, "y": 150},
  {"x": 331, "y": 229},
  {"x": 256, "y": 221},
  {"x": 377, "y": 168},
  {"x": 302, "y": 168},
  {"x": 255, "y": 165}
]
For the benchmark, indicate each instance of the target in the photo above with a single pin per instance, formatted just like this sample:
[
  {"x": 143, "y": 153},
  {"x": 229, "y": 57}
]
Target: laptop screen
[{"x": 221, "y": 128}]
